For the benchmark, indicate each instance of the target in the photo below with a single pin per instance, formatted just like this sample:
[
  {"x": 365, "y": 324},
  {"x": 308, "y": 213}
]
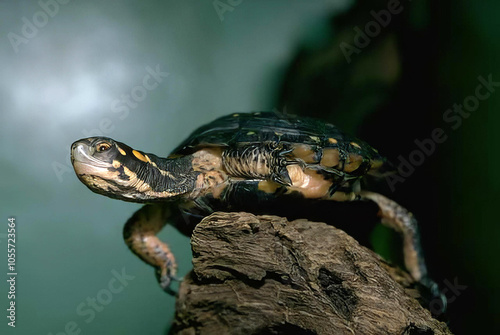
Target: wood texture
[{"x": 265, "y": 275}]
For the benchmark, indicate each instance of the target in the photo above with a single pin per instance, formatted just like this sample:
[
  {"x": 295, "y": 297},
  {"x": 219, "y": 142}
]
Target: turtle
[{"x": 240, "y": 158}]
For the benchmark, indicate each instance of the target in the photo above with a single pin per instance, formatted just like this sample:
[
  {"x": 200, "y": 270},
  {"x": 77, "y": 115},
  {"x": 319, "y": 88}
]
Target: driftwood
[{"x": 265, "y": 275}]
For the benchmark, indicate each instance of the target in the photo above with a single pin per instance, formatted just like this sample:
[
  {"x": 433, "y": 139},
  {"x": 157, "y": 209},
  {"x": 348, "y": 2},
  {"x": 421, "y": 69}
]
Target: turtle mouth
[
  {"x": 82, "y": 159},
  {"x": 82, "y": 168}
]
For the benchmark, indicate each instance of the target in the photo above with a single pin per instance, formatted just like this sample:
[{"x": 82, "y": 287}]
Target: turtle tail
[{"x": 381, "y": 167}]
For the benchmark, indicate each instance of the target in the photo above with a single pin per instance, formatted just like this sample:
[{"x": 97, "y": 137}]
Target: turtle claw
[
  {"x": 436, "y": 301},
  {"x": 282, "y": 177},
  {"x": 165, "y": 279}
]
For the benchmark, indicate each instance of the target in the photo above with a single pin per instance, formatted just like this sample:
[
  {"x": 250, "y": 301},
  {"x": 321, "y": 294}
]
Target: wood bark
[{"x": 265, "y": 275}]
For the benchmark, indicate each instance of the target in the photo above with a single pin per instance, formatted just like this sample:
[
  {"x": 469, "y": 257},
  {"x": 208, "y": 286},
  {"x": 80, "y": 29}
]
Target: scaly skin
[
  {"x": 402, "y": 221},
  {"x": 140, "y": 236}
]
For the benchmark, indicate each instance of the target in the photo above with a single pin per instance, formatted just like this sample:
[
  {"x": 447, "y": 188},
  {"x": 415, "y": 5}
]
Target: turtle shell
[{"x": 307, "y": 134}]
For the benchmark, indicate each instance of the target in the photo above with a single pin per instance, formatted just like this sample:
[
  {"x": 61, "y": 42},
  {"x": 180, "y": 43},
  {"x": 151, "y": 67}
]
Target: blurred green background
[{"x": 66, "y": 77}]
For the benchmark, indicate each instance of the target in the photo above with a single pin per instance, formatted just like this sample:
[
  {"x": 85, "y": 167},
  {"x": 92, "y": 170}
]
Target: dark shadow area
[{"x": 393, "y": 89}]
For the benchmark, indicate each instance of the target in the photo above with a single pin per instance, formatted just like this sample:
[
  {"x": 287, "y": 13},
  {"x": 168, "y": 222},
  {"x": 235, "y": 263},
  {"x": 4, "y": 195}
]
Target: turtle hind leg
[
  {"x": 398, "y": 218},
  {"x": 139, "y": 234},
  {"x": 402, "y": 221}
]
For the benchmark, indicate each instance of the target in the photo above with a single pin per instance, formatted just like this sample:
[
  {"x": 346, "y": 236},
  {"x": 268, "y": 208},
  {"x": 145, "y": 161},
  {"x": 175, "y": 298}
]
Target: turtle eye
[{"x": 103, "y": 146}]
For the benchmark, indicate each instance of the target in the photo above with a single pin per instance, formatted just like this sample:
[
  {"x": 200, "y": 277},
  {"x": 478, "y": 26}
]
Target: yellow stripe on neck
[
  {"x": 121, "y": 151},
  {"x": 139, "y": 156}
]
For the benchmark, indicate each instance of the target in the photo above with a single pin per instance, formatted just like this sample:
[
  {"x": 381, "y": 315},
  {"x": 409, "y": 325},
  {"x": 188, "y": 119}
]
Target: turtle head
[
  {"x": 115, "y": 170},
  {"x": 100, "y": 165},
  {"x": 93, "y": 155}
]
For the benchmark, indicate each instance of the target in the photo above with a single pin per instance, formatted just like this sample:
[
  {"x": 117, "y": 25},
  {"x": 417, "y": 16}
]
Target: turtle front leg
[
  {"x": 140, "y": 236},
  {"x": 402, "y": 221}
]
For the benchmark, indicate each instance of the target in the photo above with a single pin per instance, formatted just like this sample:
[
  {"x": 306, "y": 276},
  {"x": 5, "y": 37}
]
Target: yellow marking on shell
[
  {"x": 314, "y": 138},
  {"x": 330, "y": 157},
  {"x": 354, "y": 161},
  {"x": 148, "y": 159},
  {"x": 236, "y": 114},
  {"x": 304, "y": 152},
  {"x": 139, "y": 156},
  {"x": 122, "y": 151},
  {"x": 356, "y": 145},
  {"x": 251, "y": 133},
  {"x": 268, "y": 186},
  {"x": 256, "y": 113},
  {"x": 332, "y": 140},
  {"x": 116, "y": 164}
]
